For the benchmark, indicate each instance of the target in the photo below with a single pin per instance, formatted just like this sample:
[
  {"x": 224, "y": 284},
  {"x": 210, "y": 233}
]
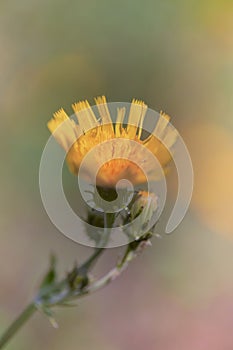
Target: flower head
[{"x": 117, "y": 155}]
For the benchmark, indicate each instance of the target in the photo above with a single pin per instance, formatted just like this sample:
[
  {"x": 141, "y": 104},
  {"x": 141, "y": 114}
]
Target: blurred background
[{"x": 175, "y": 55}]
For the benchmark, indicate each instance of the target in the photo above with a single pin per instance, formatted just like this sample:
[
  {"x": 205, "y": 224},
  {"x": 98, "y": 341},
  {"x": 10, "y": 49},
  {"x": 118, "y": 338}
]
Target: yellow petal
[
  {"x": 64, "y": 129},
  {"x": 85, "y": 115},
  {"x": 136, "y": 117},
  {"x": 119, "y": 122}
]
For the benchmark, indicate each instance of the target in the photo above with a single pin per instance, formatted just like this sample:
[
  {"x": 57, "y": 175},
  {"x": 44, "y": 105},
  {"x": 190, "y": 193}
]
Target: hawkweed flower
[
  {"x": 110, "y": 150},
  {"x": 79, "y": 138}
]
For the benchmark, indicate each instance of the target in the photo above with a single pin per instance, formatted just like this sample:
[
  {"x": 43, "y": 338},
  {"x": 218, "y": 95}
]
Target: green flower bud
[{"x": 145, "y": 206}]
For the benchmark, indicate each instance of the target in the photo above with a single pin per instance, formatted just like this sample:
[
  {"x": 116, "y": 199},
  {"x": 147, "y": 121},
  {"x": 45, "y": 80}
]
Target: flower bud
[{"x": 145, "y": 206}]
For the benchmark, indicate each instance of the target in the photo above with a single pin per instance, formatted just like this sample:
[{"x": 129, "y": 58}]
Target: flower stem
[
  {"x": 17, "y": 324},
  {"x": 86, "y": 266},
  {"x": 108, "y": 221}
]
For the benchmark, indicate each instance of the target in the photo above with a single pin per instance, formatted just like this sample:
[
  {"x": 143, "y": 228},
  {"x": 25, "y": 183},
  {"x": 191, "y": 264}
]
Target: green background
[{"x": 175, "y": 55}]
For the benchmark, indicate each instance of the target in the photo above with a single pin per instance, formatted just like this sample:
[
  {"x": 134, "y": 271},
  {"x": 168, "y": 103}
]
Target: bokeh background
[{"x": 178, "y": 57}]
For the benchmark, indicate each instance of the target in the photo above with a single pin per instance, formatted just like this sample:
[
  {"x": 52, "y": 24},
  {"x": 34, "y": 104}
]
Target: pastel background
[{"x": 178, "y": 57}]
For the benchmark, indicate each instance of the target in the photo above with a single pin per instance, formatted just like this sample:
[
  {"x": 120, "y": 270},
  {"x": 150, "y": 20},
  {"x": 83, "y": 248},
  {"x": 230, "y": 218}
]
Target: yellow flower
[{"x": 79, "y": 139}]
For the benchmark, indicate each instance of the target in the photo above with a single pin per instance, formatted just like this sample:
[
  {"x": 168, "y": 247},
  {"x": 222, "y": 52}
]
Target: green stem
[
  {"x": 86, "y": 266},
  {"x": 108, "y": 221},
  {"x": 17, "y": 324}
]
